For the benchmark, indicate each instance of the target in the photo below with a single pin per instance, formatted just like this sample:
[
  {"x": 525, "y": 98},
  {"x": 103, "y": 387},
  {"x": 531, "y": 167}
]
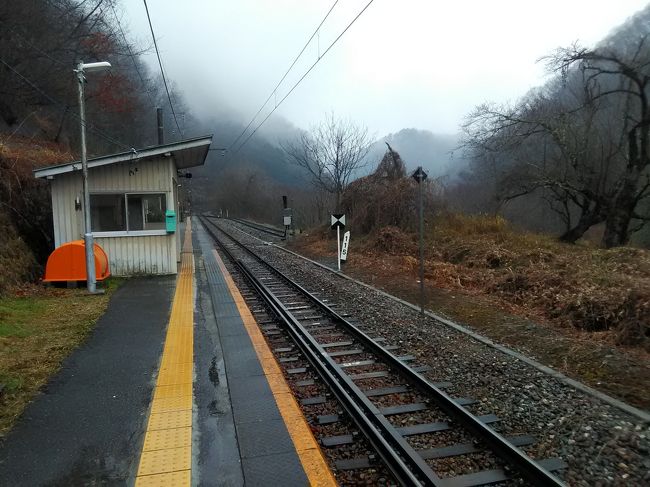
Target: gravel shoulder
[
  {"x": 589, "y": 357},
  {"x": 601, "y": 444}
]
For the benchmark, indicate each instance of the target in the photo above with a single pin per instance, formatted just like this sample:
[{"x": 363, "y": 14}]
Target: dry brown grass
[
  {"x": 577, "y": 308},
  {"x": 24, "y": 208},
  {"x": 17, "y": 263},
  {"x": 579, "y": 286},
  {"x": 27, "y": 154},
  {"x": 39, "y": 327}
]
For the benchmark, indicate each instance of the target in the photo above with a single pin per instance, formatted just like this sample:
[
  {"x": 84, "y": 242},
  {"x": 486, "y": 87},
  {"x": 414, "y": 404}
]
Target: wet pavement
[
  {"x": 86, "y": 426},
  {"x": 216, "y": 461}
]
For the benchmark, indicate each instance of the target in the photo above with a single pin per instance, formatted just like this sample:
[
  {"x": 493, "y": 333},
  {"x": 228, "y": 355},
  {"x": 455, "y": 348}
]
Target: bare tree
[
  {"x": 557, "y": 144},
  {"x": 581, "y": 143},
  {"x": 331, "y": 153},
  {"x": 623, "y": 77}
]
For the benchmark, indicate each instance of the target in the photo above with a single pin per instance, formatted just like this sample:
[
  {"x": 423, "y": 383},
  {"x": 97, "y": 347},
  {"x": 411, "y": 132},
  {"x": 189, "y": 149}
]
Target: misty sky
[{"x": 404, "y": 63}]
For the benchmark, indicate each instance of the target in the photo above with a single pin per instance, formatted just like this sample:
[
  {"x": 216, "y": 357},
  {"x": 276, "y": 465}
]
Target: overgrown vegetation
[
  {"x": 16, "y": 259},
  {"x": 38, "y": 329},
  {"x": 40, "y": 44},
  {"x": 25, "y": 209},
  {"x": 578, "y": 308},
  {"x": 580, "y": 287},
  {"x": 387, "y": 197},
  {"x": 578, "y": 146}
]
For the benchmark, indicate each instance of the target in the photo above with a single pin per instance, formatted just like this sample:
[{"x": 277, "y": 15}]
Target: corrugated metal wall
[
  {"x": 128, "y": 255},
  {"x": 150, "y": 175},
  {"x": 151, "y": 254},
  {"x": 68, "y": 222}
]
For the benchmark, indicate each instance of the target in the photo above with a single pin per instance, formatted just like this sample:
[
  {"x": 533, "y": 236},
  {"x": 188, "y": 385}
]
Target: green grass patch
[
  {"x": 13, "y": 330},
  {"x": 16, "y": 316},
  {"x": 39, "y": 327}
]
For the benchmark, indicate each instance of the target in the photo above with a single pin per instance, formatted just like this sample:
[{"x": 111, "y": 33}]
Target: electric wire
[
  {"x": 90, "y": 127},
  {"x": 132, "y": 56},
  {"x": 162, "y": 72},
  {"x": 303, "y": 77},
  {"x": 284, "y": 76},
  {"x": 40, "y": 51}
]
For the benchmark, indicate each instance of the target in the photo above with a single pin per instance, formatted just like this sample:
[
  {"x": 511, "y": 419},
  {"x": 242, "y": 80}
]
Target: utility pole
[
  {"x": 91, "y": 278},
  {"x": 419, "y": 175},
  {"x": 161, "y": 133}
]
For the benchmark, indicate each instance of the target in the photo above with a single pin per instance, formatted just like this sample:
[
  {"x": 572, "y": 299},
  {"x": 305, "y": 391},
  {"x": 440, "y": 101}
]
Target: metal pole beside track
[
  {"x": 91, "y": 282},
  {"x": 338, "y": 247},
  {"x": 421, "y": 253},
  {"x": 419, "y": 175}
]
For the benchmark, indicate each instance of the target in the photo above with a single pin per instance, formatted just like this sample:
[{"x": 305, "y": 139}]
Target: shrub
[{"x": 17, "y": 263}]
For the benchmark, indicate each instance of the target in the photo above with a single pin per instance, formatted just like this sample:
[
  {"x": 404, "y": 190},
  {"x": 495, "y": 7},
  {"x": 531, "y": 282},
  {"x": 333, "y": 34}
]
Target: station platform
[{"x": 175, "y": 386}]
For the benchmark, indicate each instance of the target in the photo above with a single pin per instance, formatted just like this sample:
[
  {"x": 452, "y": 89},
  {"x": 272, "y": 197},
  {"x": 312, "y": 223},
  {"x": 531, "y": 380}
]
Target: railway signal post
[
  {"x": 338, "y": 222},
  {"x": 419, "y": 175}
]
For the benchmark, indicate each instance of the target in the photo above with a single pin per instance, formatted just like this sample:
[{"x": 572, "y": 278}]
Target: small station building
[{"x": 134, "y": 202}]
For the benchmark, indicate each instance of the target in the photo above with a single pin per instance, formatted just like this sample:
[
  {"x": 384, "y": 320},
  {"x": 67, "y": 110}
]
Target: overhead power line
[
  {"x": 162, "y": 71},
  {"x": 90, "y": 127},
  {"x": 284, "y": 76},
  {"x": 132, "y": 56},
  {"x": 37, "y": 49},
  {"x": 303, "y": 77}
]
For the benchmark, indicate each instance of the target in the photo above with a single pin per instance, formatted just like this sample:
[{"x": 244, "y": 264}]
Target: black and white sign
[
  {"x": 419, "y": 174},
  {"x": 346, "y": 244},
  {"x": 338, "y": 220}
]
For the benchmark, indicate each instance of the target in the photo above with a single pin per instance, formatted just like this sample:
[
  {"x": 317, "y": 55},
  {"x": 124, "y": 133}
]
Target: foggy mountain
[
  {"x": 261, "y": 152},
  {"x": 438, "y": 154}
]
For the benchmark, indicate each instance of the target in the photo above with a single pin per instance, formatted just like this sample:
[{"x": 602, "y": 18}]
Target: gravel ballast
[{"x": 601, "y": 444}]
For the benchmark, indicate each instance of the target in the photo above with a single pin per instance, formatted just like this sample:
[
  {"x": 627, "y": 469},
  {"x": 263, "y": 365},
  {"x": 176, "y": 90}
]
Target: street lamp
[{"x": 83, "y": 68}]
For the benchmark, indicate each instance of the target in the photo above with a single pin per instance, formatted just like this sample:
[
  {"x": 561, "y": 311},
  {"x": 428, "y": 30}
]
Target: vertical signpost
[
  {"x": 338, "y": 222},
  {"x": 345, "y": 246},
  {"x": 287, "y": 213},
  {"x": 419, "y": 175}
]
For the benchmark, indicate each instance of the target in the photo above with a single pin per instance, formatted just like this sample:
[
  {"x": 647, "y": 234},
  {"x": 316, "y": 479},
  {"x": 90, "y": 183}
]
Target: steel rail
[
  {"x": 257, "y": 226},
  {"x": 499, "y": 445},
  {"x": 400, "y": 458},
  {"x": 260, "y": 227},
  {"x": 408, "y": 467}
]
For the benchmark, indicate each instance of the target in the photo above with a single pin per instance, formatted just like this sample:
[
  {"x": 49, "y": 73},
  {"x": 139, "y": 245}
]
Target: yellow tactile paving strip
[
  {"x": 166, "y": 457},
  {"x": 311, "y": 457}
]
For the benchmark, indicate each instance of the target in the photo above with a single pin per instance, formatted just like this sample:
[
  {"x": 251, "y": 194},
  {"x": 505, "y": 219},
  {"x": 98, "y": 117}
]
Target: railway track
[
  {"x": 362, "y": 394},
  {"x": 256, "y": 226}
]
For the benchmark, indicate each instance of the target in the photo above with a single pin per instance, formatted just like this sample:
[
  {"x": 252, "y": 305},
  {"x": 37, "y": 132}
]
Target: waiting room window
[
  {"x": 127, "y": 212},
  {"x": 107, "y": 212},
  {"x": 146, "y": 211}
]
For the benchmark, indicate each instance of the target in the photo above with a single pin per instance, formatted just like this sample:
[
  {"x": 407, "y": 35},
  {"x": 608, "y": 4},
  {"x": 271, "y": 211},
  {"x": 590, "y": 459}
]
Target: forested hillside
[
  {"x": 572, "y": 156},
  {"x": 40, "y": 45}
]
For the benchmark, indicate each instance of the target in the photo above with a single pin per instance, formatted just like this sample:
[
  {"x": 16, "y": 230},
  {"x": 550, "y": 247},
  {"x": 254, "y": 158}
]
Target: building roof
[{"x": 186, "y": 153}]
